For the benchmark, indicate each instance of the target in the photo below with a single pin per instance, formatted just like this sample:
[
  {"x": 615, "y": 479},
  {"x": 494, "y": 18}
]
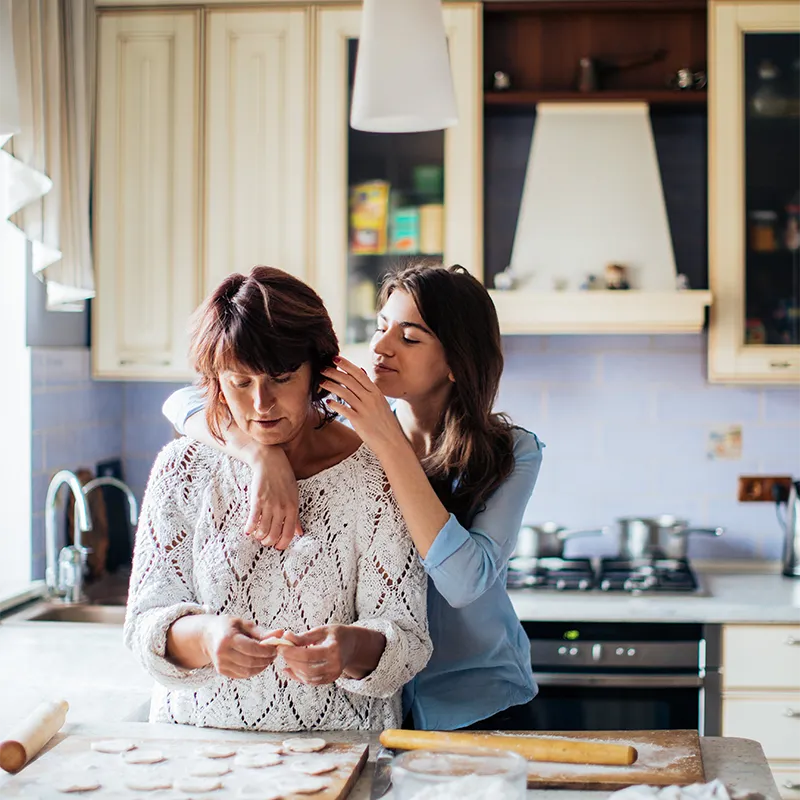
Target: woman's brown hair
[
  {"x": 473, "y": 449},
  {"x": 265, "y": 323}
]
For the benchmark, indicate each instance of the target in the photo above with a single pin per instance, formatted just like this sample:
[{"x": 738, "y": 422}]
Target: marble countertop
[
  {"x": 726, "y": 598},
  {"x": 739, "y": 763}
]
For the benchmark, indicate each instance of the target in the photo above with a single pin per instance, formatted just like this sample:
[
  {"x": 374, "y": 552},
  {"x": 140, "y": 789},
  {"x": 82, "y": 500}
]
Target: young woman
[
  {"x": 205, "y": 603},
  {"x": 462, "y": 476}
]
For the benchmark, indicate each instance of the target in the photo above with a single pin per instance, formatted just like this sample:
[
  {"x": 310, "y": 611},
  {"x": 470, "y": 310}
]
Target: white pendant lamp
[
  {"x": 403, "y": 81},
  {"x": 9, "y": 100}
]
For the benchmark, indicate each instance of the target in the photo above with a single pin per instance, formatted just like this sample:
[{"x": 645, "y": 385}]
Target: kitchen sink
[{"x": 105, "y": 615}]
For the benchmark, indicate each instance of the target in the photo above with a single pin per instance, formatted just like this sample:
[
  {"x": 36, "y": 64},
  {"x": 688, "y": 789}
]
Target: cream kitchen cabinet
[
  {"x": 257, "y": 138},
  {"x": 761, "y": 694},
  {"x": 437, "y": 173},
  {"x": 190, "y": 186},
  {"x": 224, "y": 142},
  {"x": 146, "y": 196},
  {"x": 754, "y": 191}
]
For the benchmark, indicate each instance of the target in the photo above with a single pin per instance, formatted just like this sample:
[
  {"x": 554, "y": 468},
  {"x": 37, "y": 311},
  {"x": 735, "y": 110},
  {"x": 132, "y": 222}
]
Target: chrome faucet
[
  {"x": 65, "y": 579},
  {"x": 133, "y": 507}
]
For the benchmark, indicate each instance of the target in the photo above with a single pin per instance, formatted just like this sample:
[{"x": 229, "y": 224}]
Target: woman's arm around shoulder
[
  {"x": 273, "y": 499},
  {"x": 391, "y": 591},
  {"x": 181, "y": 405},
  {"x": 161, "y": 586},
  {"x": 465, "y": 562}
]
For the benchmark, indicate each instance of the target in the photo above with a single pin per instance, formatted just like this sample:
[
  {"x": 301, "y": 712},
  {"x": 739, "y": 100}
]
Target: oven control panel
[{"x": 546, "y": 654}]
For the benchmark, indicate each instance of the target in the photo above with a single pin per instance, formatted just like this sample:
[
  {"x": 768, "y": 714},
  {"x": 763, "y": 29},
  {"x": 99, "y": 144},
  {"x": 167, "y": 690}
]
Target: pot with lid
[
  {"x": 547, "y": 540},
  {"x": 651, "y": 538}
]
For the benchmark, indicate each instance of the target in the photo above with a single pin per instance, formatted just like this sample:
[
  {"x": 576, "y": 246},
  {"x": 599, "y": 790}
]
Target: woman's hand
[
  {"x": 273, "y": 514},
  {"x": 367, "y": 409},
  {"x": 324, "y": 654},
  {"x": 234, "y": 648}
]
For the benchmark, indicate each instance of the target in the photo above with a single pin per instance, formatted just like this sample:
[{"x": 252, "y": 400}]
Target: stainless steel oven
[{"x": 626, "y": 676}]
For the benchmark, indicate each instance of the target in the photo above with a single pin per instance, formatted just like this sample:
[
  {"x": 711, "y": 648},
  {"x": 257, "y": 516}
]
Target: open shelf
[
  {"x": 599, "y": 312},
  {"x": 669, "y": 97}
]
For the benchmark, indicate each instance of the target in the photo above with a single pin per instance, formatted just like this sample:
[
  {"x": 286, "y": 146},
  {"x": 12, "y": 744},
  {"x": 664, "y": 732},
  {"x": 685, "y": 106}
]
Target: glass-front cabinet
[
  {"x": 383, "y": 200},
  {"x": 754, "y": 191}
]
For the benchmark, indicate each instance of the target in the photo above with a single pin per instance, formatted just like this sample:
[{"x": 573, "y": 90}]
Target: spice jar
[
  {"x": 763, "y": 237},
  {"x": 791, "y": 235}
]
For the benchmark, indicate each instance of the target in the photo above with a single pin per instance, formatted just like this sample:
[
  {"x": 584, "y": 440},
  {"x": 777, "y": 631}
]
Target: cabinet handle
[
  {"x": 790, "y": 784},
  {"x": 125, "y": 362},
  {"x": 790, "y": 640},
  {"x": 790, "y": 712},
  {"x": 781, "y": 364}
]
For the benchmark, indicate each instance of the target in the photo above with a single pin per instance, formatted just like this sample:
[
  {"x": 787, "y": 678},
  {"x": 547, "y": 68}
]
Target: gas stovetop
[{"x": 657, "y": 577}]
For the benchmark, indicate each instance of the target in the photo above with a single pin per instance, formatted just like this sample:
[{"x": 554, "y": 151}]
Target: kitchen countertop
[
  {"x": 728, "y": 598},
  {"x": 108, "y": 692},
  {"x": 739, "y": 763}
]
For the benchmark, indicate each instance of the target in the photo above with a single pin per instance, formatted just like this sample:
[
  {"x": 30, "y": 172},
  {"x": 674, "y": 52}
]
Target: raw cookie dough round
[
  {"x": 256, "y": 760},
  {"x": 144, "y": 757},
  {"x": 208, "y": 769},
  {"x": 278, "y": 640},
  {"x": 263, "y": 747},
  {"x": 147, "y": 784},
  {"x": 304, "y": 745},
  {"x": 115, "y": 746},
  {"x": 257, "y": 792},
  {"x": 302, "y": 784},
  {"x": 199, "y": 785},
  {"x": 215, "y": 751},
  {"x": 76, "y": 783},
  {"x": 315, "y": 766}
]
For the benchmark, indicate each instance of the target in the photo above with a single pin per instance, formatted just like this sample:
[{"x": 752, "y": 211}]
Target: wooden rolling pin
[
  {"x": 32, "y": 734},
  {"x": 562, "y": 751}
]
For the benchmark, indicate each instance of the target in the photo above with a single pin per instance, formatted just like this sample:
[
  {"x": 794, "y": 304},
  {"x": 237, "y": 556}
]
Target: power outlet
[{"x": 759, "y": 488}]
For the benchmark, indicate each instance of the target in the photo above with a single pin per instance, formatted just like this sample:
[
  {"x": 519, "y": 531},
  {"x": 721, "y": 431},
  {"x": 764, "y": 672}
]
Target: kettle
[{"x": 791, "y": 529}]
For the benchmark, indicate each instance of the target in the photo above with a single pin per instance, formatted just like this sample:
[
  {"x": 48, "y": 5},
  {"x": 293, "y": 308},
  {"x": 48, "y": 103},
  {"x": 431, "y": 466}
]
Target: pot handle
[
  {"x": 708, "y": 531},
  {"x": 581, "y": 532}
]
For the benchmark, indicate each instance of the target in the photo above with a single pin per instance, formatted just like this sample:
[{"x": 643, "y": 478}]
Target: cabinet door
[
  {"x": 146, "y": 194},
  {"x": 383, "y": 199},
  {"x": 754, "y": 192},
  {"x": 256, "y": 142}
]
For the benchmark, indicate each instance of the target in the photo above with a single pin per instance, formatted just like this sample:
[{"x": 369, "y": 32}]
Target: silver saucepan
[
  {"x": 547, "y": 540},
  {"x": 665, "y": 536}
]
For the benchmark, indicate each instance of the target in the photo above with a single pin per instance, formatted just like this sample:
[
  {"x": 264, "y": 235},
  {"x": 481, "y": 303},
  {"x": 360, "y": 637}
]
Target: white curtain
[{"x": 48, "y": 162}]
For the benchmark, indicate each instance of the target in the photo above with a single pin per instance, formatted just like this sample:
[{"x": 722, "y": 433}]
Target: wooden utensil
[
  {"x": 32, "y": 734},
  {"x": 532, "y": 748}
]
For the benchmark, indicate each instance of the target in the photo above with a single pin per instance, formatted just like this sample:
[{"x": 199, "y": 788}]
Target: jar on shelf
[
  {"x": 768, "y": 99},
  {"x": 791, "y": 234},
  {"x": 763, "y": 236}
]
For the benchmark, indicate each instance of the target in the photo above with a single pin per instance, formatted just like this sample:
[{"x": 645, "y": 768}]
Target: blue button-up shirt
[{"x": 481, "y": 661}]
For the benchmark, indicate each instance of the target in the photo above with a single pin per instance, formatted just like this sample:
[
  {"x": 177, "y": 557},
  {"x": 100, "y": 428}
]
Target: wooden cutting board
[
  {"x": 73, "y": 754},
  {"x": 665, "y": 758}
]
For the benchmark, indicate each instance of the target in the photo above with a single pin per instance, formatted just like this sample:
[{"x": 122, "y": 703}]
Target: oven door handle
[{"x": 624, "y": 681}]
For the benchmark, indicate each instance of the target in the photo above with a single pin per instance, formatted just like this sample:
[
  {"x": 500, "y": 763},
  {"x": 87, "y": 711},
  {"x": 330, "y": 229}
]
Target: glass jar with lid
[{"x": 763, "y": 231}]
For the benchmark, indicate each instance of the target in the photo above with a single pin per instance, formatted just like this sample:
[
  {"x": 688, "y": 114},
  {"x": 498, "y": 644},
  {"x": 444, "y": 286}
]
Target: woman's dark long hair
[{"x": 473, "y": 449}]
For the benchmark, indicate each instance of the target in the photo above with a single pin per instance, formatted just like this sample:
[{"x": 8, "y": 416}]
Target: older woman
[{"x": 206, "y": 605}]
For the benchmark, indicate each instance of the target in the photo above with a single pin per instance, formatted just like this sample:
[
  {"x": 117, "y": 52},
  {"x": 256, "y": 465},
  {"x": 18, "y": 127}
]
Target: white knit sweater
[{"x": 355, "y": 564}]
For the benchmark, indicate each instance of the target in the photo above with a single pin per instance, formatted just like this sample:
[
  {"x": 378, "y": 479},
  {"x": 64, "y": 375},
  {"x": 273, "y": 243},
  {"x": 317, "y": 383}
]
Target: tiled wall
[
  {"x": 76, "y": 422},
  {"x": 146, "y": 430},
  {"x": 626, "y": 422}
]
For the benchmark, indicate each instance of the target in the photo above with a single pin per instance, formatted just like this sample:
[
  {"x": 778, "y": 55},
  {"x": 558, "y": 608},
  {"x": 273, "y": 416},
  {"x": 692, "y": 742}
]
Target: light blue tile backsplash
[
  {"x": 76, "y": 422},
  {"x": 625, "y": 419},
  {"x": 626, "y": 422}
]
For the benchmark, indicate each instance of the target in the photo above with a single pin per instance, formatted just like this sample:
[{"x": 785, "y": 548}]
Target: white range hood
[{"x": 593, "y": 197}]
